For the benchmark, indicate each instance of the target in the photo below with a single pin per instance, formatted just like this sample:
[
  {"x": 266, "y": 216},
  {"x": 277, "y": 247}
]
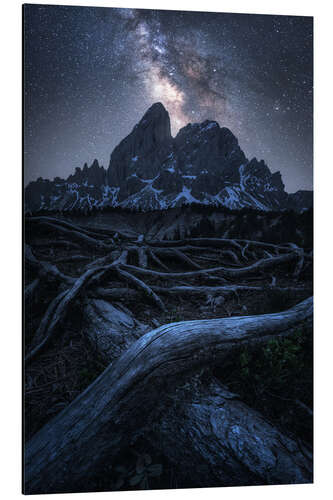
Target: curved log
[
  {"x": 109, "y": 329},
  {"x": 100, "y": 422}
]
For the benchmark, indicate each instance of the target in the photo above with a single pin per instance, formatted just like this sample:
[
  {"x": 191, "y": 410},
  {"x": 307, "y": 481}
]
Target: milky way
[{"x": 91, "y": 73}]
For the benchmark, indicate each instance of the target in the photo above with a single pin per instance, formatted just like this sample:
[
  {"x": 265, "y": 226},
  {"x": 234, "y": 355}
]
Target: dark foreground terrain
[{"x": 220, "y": 396}]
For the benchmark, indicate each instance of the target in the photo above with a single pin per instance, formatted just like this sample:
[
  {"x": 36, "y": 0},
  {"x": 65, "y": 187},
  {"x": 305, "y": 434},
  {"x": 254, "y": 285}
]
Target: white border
[{"x": 10, "y": 272}]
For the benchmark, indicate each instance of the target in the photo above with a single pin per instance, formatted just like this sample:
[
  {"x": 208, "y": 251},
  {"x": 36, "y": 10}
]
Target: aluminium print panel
[{"x": 168, "y": 249}]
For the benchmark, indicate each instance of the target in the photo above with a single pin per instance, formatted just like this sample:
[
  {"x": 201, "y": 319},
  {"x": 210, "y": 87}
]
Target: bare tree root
[
  {"x": 71, "y": 258},
  {"x": 141, "y": 286},
  {"x": 217, "y": 290},
  {"x": 244, "y": 251},
  {"x": 158, "y": 261},
  {"x": 102, "y": 420},
  {"x": 175, "y": 253},
  {"x": 30, "y": 290},
  {"x": 210, "y": 242},
  {"x": 45, "y": 269},
  {"x": 300, "y": 263},
  {"x": 56, "y": 313},
  {"x": 41, "y": 338},
  {"x": 57, "y": 309},
  {"x": 103, "y": 261},
  {"x": 68, "y": 225},
  {"x": 113, "y": 293},
  {"x": 232, "y": 255},
  {"x": 76, "y": 235},
  {"x": 260, "y": 265},
  {"x": 236, "y": 244}
]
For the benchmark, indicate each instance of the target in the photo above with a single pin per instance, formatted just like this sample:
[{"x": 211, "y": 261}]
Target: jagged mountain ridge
[{"x": 151, "y": 170}]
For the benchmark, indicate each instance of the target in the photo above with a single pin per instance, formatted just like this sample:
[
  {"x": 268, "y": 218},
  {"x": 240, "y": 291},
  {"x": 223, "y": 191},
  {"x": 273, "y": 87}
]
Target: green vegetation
[{"x": 277, "y": 381}]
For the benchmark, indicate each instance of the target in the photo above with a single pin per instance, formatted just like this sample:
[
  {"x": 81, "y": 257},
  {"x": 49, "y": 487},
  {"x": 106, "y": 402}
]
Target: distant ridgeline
[{"x": 151, "y": 170}]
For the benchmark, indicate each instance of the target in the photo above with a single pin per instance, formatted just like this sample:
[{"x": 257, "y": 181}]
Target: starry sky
[{"x": 90, "y": 73}]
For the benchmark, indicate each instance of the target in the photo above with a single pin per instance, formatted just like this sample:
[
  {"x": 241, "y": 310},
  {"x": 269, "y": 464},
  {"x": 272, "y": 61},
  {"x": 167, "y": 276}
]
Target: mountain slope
[{"x": 151, "y": 170}]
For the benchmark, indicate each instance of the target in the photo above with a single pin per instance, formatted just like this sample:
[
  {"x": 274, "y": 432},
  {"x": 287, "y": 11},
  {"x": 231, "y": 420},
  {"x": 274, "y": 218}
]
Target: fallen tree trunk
[
  {"x": 217, "y": 440},
  {"x": 102, "y": 420},
  {"x": 110, "y": 329}
]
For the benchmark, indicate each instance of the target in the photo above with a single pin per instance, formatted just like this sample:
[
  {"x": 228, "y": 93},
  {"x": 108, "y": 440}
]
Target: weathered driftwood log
[
  {"x": 102, "y": 420},
  {"x": 215, "y": 437},
  {"x": 111, "y": 329}
]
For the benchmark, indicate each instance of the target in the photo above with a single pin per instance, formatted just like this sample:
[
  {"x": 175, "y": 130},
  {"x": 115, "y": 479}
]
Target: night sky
[{"x": 91, "y": 73}]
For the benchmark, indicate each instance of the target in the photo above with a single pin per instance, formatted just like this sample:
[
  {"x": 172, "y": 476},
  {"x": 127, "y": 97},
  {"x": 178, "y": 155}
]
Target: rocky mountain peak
[
  {"x": 149, "y": 169},
  {"x": 156, "y": 120},
  {"x": 143, "y": 149}
]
